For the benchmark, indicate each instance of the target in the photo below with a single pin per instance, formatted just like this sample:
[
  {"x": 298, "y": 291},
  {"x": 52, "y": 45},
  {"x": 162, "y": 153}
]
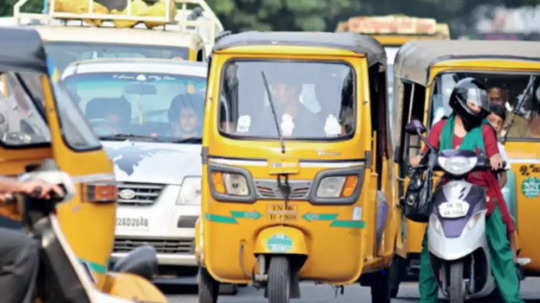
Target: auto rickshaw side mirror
[{"x": 415, "y": 127}]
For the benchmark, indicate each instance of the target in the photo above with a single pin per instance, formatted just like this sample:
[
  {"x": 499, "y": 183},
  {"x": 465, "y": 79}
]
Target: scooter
[
  {"x": 62, "y": 277},
  {"x": 459, "y": 252}
]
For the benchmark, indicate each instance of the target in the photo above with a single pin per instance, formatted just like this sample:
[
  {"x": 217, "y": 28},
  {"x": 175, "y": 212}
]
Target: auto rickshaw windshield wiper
[
  {"x": 274, "y": 114},
  {"x": 522, "y": 99},
  {"x": 186, "y": 140},
  {"x": 122, "y": 137}
]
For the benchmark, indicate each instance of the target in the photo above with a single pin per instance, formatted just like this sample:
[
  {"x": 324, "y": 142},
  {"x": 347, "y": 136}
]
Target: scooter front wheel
[
  {"x": 279, "y": 280},
  {"x": 455, "y": 289}
]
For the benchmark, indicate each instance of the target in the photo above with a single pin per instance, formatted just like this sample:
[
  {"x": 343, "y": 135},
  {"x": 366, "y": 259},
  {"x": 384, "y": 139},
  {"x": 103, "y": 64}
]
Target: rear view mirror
[
  {"x": 415, "y": 127},
  {"x": 140, "y": 89}
]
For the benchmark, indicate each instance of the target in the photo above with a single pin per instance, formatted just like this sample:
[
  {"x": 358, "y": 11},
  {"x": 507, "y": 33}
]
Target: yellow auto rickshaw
[
  {"x": 39, "y": 123},
  {"x": 425, "y": 73},
  {"x": 296, "y": 165}
]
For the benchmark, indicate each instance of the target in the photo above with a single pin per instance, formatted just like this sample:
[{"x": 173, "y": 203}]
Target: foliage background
[{"x": 323, "y": 15}]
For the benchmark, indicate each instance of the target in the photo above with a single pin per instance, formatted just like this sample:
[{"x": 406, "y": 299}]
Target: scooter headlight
[
  {"x": 457, "y": 165},
  {"x": 190, "y": 193}
]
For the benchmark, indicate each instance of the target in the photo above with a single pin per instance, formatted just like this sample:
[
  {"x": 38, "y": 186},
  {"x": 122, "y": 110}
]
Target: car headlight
[
  {"x": 190, "y": 192},
  {"x": 337, "y": 186},
  {"x": 457, "y": 165},
  {"x": 232, "y": 184}
]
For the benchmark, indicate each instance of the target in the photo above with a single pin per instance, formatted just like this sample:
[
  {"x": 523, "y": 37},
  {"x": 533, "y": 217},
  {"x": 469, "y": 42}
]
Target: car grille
[
  {"x": 143, "y": 194},
  {"x": 268, "y": 189},
  {"x": 171, "y": 246}
]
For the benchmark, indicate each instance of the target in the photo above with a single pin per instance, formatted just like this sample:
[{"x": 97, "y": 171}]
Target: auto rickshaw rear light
[
  {"x": 331, "y": 187},
  {"x": 217, "y": 180},
  {"x": 101, "y": 192},
  {"x": 350, "y": 186},
  {"x": 235, "y": 184}
]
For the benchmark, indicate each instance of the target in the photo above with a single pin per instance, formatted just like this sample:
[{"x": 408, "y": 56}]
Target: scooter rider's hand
[
  {"x": 39, "y": 189},
  {"x": 415, "y": 161},
  {"x": 496, "y": 162}
]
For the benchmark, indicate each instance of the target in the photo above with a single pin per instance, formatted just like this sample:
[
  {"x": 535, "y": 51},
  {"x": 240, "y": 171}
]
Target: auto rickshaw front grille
[
  {"x": 168, "y": 246},
  {"x": 268, "y": 189},
  {"x": 139, "y": 194}
]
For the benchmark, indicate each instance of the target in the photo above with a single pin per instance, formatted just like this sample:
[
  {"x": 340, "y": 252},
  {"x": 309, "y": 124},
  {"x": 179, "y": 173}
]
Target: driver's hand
[
  {"x": 40, "y": 189},
  {"x": 496, "y": 162},
  {"x": 415, "y": 161}
]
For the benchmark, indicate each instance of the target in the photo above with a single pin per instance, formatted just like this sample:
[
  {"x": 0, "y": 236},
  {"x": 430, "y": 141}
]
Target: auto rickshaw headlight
[
  {"x": 230, "y": 183},
  {"x": 190, "y": 193},
  {"x": 337, "y": 186}
]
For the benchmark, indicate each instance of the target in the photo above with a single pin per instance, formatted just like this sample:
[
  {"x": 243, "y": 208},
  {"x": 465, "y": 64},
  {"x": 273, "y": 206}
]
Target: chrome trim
[
  {"x": 144, "y": 193},
  {"x": 330, "y": 164},
  {"x": 237, "y": 162},
  {"x": 93, "y": 178}
]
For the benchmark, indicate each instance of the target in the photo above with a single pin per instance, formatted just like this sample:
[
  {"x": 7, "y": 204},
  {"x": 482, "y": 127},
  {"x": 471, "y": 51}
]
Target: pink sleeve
[
  {"x": 435, "y": 135},
  {"x": 490, "y": 141}
]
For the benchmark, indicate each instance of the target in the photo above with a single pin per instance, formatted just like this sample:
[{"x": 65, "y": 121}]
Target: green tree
[{"x": 32, "y": 6}]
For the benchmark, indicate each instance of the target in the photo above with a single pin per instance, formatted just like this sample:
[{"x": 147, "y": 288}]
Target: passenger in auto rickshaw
[
  {"x": 507, "y": 178},
  {"x": 467, "y": 129}
]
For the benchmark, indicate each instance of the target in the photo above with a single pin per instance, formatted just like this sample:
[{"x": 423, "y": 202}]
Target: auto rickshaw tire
[
  {"x": 208, "y": 287},
  {"x": 380, "y": 287},
  {"x": 279, "y": 280},
  {"x": 455, "y": 288},
  {"x": 396, "y": 270}
]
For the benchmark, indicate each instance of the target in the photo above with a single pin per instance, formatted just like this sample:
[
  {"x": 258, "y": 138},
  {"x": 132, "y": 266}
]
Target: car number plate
[
  {"x": 132, "y": 222},
  {"x": 454, "y": 209},
  {"x": 278, "y": 212}
]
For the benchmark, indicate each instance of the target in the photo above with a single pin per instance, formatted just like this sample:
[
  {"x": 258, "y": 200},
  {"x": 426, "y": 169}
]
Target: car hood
[{"x": 150, "y": 162}]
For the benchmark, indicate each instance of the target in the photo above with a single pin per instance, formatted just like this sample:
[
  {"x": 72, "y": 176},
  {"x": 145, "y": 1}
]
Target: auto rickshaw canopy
[
  {"x": 22, "y": 49},
  {"x": 360, "y": 44},
  {"x": 415, "y": 58}
]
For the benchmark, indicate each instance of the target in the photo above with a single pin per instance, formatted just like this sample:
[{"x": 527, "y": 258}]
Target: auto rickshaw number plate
[{"x": 278, "y": 212}]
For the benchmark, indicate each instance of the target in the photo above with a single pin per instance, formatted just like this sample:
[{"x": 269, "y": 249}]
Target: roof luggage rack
[{"x": 192, "y": 16}]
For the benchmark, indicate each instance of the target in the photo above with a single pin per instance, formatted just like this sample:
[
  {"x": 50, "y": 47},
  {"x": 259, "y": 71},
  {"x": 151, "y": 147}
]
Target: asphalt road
[{"x": 311, "y": 293}]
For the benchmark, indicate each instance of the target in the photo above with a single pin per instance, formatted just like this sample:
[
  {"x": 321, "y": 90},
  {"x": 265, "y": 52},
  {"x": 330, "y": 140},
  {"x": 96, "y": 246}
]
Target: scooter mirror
[
  {"x": 141, "y": 261},
  {"x": 415, "y": 127}
]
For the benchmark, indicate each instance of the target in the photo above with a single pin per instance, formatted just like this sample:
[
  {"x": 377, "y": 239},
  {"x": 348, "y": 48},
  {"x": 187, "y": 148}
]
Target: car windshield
[
  {"x": 516, "y": 97},
  {"x": 64, "y": 53},
  {"x": 312, "y": 100},
  {"x": 141, "y": 106}
]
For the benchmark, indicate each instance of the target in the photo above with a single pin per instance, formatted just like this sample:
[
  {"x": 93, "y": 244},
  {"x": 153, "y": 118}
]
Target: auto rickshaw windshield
[
  {"x": 312, "y": 99},
  {"x": 518, "y": 94}
]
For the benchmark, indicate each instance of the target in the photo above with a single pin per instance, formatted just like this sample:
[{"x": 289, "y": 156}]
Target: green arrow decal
[
  {"x": 220, "y": 219},
  {"x": 351, "y": 224},
  {"x": 319, "y": 217},
  {"x": 246, "y": 214}
]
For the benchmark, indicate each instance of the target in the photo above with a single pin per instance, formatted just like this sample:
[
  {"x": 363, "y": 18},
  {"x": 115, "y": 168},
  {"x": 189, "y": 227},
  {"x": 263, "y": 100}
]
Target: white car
[{"x": 148, "y": 114}]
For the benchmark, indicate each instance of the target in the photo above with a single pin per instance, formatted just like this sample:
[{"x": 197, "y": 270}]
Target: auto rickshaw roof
[
  {"x": 415, "y": 58},
  {"x": 22, "y": 49},
  {"x": 361, "y": 44}
]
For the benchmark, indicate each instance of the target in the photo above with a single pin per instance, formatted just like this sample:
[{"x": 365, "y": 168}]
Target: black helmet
[{"x": 469, "y": 89}]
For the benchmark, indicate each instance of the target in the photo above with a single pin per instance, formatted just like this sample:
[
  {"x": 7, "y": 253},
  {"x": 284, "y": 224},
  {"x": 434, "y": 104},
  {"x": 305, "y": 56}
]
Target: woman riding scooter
[{"x": 467, "y": 129}]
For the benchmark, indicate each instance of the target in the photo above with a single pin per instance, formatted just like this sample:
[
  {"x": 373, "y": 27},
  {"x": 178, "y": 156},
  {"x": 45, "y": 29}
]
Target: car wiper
[
  {"x": 122, "y": 137},
  {"x": 274, "y": 114},
  {"x": 186, "y": 140}
]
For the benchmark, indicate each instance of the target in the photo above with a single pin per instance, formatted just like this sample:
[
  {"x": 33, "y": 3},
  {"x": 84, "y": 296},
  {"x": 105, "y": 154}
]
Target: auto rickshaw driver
[{"x": 467, "y": 129}]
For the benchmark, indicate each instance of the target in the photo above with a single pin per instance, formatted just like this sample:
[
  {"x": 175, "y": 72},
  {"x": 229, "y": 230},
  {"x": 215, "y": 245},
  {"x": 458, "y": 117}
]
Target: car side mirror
[
  {"x": 141, "y": 261},
  {"x": 415, "y": 127}
]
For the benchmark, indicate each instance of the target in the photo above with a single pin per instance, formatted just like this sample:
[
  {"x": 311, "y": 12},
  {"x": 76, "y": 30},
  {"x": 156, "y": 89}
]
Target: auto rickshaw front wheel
[
  {"x": 279, "y": 280},
  {"x": 208, "y": 287}
]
